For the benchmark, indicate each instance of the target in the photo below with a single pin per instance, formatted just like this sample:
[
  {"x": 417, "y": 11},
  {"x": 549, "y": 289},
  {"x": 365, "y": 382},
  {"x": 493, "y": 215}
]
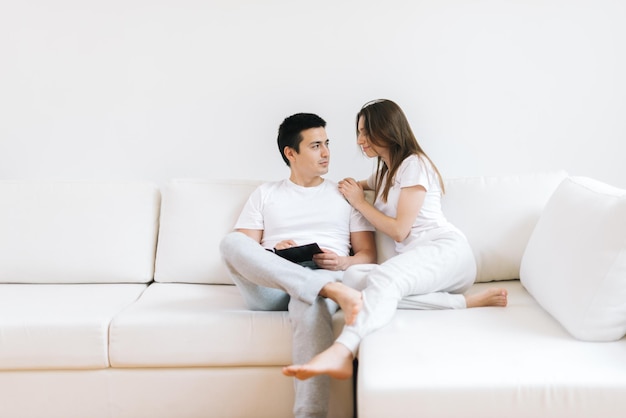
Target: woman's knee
[{"x": 356, "y": 276}]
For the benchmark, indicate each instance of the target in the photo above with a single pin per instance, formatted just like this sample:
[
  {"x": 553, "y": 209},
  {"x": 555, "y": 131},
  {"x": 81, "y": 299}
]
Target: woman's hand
[
  {"x": 288, "y": 243},
  {"x": 352, "y": 191}
]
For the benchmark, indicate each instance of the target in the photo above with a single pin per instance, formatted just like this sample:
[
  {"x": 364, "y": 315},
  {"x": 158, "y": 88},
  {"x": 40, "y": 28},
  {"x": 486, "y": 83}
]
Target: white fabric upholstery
[
  {"x": 197, "y": 325},
  {"x": 514, "y": 362},
  {"x": 56, "y": 394},
  {"x": 195, "y": 392},
  {"x": 54, "y": 326},
  {"x": 195, "y": 216},
  {"x": 181, "y": 325},
  {"x": 498, "y": 214},
  {"x": 186, "y": 347},
  {"x": 575, "y": 262},
  {"x": 77, "y": 232},
  {"x": 236, "y": 392}
]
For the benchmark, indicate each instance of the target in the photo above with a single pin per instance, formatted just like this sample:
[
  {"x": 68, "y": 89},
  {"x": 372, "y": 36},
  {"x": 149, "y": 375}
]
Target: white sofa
[{"x": 114, "y": 303}]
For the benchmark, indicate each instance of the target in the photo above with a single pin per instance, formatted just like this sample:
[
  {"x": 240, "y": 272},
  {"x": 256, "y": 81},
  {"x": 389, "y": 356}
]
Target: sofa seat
[
  {"x": 59, "y": 326},
  {"x": 179, "y": 336},
  {"x": 191, "y": 325},
  {"x": 514, "y": 362}
]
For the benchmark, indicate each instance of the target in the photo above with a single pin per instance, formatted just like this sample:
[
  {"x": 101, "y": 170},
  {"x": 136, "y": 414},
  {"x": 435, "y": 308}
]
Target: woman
[{"x": 434, "y": 264}]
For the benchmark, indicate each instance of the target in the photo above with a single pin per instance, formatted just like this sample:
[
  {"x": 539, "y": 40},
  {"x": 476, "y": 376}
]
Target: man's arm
[{"x": 363, "y": 247}]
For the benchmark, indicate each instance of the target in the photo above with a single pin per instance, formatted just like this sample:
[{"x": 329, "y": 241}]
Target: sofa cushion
[
  {"x": 59, "y": 326},
  {"x": 195, "y": 216},
  {"x": 575, "y": 262},
  {"x": 514, "y": 362},
  {"x": 185, "y": 325},
  {"x": 498, "y": 214},
  {"x": 77, "y": 232}
]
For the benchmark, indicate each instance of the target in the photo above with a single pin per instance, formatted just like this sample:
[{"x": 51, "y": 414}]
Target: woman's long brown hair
[{"x": 387, "y": 127}]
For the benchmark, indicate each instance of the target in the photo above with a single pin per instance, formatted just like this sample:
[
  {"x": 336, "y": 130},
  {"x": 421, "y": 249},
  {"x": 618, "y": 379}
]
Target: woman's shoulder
[
  {"x": 416, "y": 169},
  {"x": 413, "y": 162},
  {"x": 418, "y": 161},
  {"x": 412, "y": 159}
]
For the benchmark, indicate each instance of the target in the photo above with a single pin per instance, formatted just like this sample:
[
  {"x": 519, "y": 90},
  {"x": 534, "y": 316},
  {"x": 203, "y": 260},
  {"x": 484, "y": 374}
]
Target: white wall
[{"x": 160, "y": 89}]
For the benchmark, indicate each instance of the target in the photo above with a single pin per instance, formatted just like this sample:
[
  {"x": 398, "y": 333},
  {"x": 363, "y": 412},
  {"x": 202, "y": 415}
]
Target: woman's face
[{"x": 363, "y": 140}]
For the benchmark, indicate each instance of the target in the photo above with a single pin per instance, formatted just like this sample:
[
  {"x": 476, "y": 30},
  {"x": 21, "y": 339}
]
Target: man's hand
[
  {"x": 328, "y": 260},
  {"x": 288, "y": 243}
]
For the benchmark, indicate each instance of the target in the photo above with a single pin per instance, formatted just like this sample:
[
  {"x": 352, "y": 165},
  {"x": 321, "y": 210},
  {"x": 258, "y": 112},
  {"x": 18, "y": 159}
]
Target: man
[{"x": 303, "y": 209}]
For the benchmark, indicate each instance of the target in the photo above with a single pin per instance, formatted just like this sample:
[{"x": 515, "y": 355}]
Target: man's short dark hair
[{"x": 290, "y": 131}]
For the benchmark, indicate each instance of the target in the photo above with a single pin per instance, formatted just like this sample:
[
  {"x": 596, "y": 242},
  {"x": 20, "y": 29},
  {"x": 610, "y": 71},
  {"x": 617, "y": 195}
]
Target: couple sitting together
[{"x": 433, "y": 266}]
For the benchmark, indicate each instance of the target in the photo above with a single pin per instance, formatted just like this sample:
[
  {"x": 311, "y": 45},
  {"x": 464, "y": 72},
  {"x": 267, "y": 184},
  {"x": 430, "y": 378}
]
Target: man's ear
[{"x": 290, "y": 154}]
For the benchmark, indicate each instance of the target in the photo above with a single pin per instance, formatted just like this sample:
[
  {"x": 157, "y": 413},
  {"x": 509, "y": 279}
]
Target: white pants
[{"x": 432, "y": 275}]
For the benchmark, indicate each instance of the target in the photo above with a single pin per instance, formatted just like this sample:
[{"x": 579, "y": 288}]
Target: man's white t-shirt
[
  {"x": 415, "y": 171},
  {"x": 285, "y": 210}
]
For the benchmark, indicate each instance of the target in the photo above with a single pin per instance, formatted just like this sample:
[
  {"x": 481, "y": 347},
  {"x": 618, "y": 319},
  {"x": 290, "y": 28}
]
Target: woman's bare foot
[
  {"x": 490, "y": 297},
  {"x": 335, "y": 361},
  {"x": 348, "y": 299}
]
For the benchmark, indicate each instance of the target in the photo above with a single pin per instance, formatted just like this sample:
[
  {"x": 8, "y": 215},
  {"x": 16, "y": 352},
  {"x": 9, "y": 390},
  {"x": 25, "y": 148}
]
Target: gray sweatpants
[{"x": 270, "y": 283}]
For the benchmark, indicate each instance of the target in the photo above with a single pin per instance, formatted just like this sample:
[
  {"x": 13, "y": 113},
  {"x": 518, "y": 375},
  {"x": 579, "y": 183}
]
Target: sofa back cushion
[
  {"x": 77, "y": 232},
  {"x": 195, "y": 216},
  {"x": 575, "y": 261},
  {"x": 498, "y": 214}
]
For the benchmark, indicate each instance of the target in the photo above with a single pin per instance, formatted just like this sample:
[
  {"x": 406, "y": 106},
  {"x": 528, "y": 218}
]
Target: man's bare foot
[
  {"x": 490, "y": 297},
  {"x": 335, "y": 361},
  {"x": 348, "y": 299}
]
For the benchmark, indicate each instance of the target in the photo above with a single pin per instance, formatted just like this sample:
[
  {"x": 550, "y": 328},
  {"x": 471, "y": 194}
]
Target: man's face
[{"x": 314, "y": 156}]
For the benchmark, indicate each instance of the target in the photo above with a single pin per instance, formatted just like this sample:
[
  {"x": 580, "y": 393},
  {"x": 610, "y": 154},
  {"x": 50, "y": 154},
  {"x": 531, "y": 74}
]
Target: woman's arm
[{"x": 410, "y": 202}]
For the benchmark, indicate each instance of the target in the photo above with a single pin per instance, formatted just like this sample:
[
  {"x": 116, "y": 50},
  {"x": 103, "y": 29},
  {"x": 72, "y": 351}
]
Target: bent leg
[
  {"x": 251, "y": 267},
  {"x": 312, "y": 334},
  {"x": 431, "y": 273},
  {"x": 356, "y": 276},
  {"x": 440, "y": 265}
]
